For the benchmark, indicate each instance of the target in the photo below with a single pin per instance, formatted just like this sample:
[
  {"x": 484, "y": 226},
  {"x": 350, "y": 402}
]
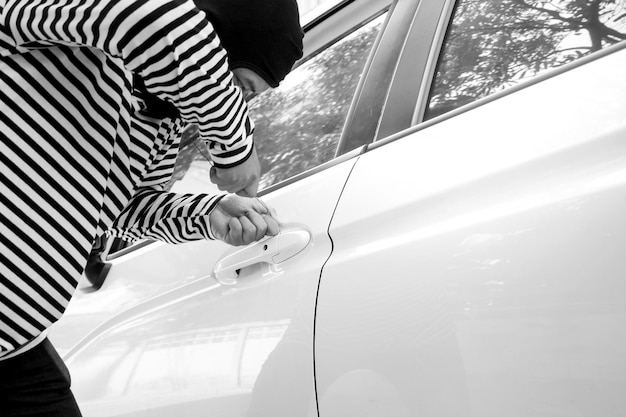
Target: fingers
[
  {"x": 244, "y": 187},
  {"x": 224, "y": 184},
  {"x": 273, "y": 227},
  {"x": 269, "y": 216},
  {"x": 259, "y": 206},
  {"x": 250, "y": 190},
  {"x": 257, "y": 225},
  {"x": 241, "y": 221},
  {"x": 234, "y": 234},
  {"x": 242, "y": 179},
  {"x": 250, "y": 228}
]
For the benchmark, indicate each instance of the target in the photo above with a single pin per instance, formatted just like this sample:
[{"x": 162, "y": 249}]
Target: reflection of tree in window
[
  {"x": 492, "y": 45},
  {"x": 299, "y": 124}
]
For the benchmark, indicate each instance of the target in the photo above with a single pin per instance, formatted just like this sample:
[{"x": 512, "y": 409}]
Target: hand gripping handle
[{"x": 273, "y": 250}]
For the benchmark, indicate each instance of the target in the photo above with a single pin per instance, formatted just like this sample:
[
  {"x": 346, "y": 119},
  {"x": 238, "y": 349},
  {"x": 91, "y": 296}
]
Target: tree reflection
[
  {"x": 298, "y": 124},
  {"x": 494, "y": 44}
]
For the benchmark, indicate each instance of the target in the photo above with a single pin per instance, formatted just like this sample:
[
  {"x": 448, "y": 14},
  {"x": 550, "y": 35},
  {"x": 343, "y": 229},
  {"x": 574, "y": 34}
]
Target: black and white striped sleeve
[
  {"x": 153, "y": 212},
  {"x": 165, "y": 216},
  {"x": 169, "y": 43}
]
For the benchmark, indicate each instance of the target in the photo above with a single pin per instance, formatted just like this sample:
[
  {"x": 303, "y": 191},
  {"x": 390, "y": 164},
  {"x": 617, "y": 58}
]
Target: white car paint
[
  {"x": 199, "y": 349},
  {"x": 138, "y": 275},
  {"x": 476, "y": 269},
  {"x": 482, "y": 272}
]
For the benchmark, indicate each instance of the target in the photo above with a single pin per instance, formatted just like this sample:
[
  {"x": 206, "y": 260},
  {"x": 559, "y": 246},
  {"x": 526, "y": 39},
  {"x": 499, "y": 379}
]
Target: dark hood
[{"x": 262, "y": 35}]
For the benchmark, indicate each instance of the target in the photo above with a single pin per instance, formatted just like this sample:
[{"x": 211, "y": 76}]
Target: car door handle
[{"x": 273, "y": 250}]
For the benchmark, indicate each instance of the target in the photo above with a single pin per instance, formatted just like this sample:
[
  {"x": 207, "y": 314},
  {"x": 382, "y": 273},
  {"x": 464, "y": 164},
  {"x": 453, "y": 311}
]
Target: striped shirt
[{"x": 79, "y": 157}]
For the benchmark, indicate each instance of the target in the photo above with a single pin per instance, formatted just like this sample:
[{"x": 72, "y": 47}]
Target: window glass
[
  {"x": 305, "y": 6},
  {"x": 494, "y": 44},
  {"x": 298, "y": 124}
]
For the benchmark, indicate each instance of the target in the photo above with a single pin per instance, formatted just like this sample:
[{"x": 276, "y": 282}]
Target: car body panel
[
  {"x": 470, "y": 264},
  {"x": 481, "y": 273},
  {"x": 136, "y": 276},
  {"x": 201, "y": 347},
  {"x": 148, "y": 269}
]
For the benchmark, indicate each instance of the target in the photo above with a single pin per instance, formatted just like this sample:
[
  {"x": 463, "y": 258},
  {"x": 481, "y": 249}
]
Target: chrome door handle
[{"x": 273, "y": 250}]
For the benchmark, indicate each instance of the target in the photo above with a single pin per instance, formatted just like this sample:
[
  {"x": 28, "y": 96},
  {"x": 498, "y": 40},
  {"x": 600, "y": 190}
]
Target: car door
[
  {"x": 477, "y": 266},
  {"x": 299, "y": 128},
  {"x": 234, "y": 333}
]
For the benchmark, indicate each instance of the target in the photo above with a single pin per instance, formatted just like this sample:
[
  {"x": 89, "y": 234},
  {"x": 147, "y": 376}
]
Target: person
[
  {"x": 262, "y": 40},
  {"x": 82, "y": 154}
]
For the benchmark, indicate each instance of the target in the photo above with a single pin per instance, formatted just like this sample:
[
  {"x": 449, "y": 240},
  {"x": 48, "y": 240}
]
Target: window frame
[
  {"x": 367, "y": 111},
  {"x": 419, "y": 54},
  {"x": 415, "y": 96}
]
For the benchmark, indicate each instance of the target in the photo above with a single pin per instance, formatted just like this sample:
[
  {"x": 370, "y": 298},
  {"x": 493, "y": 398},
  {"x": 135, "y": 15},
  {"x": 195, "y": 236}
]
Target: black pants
[{"x": 36, "y": 384}]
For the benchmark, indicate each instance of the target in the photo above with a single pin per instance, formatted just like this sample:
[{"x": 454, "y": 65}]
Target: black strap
[{"x": 154, "y": 106}]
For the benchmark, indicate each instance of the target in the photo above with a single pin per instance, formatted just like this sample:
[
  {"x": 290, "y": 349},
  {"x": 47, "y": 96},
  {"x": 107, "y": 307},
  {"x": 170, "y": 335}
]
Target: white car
[{"x": 451, "y": 178}]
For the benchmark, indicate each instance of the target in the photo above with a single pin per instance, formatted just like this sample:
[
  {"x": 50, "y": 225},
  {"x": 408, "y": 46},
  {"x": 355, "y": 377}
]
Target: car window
[
  {"x": 492, "y": 45},
  {"x": 306, "y": 6},
  {"x": 298, "y": 124}
]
